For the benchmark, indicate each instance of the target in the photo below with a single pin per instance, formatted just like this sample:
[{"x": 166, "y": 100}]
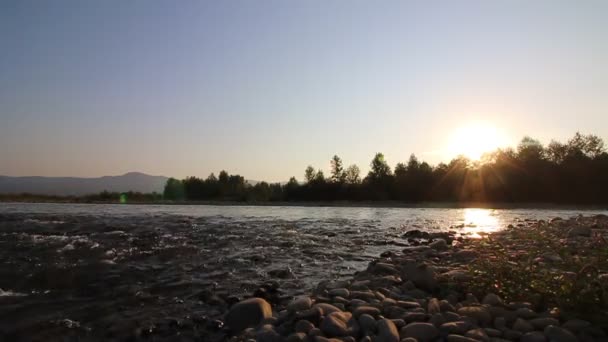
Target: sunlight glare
[
  {"x": 475, "y": 139},
  {"x": 480, "y": 221}
]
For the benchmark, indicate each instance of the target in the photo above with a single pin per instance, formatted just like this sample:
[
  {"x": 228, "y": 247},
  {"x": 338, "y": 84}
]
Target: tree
[
  {"x": 337, "y": 170},
  {"x": 319, "y": 177},
  {"x": 351, "y": 176},
  {"x": 379, "y": 168},
  {"x": 400, "y": 170},
  {"x": 174, "y": 190},
  {"x": 223, "y": 177},
  {"x": 309, "y": 174}
]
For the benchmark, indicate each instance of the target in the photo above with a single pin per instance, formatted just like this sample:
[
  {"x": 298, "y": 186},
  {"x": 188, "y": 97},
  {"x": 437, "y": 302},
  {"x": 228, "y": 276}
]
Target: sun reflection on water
[{"x": 480, "y": 221}]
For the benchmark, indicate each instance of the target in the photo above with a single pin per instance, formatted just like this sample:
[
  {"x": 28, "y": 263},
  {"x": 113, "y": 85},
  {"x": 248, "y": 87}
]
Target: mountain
[{"x": 132, "y": 181}]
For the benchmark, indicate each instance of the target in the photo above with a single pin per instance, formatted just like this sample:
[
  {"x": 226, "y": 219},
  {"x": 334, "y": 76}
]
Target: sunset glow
[{"x": 474, "y": 139}]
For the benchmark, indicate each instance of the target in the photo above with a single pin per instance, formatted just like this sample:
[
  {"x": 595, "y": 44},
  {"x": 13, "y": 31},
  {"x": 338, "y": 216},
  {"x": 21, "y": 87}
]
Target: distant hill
[{"x": 132, "y": 181}]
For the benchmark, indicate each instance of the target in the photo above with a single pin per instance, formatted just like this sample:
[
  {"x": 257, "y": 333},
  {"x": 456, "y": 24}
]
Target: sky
[{"x": 265, "y": 88}]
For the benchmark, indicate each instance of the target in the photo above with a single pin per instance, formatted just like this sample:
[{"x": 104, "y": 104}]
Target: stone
[
  {"x": 557, "y": 334},
  {"x": 422, "y": 275},
  {"x": 465, "y": 255},
  {"x": 437, "y": 319},
  {"x": 433, "y": 306},
  {"x": 492, "y": 299},
  {"x": 575, "y": 325},
  {"x": 387, "y": 331},
  {"x": 296, "y": 337},
  {"x": 267, "y": 334},
  {"x": 415, "y": 317},
  {"x": 542, "y": 322},
  {"x": 383, "y": 268},
  {"x": 370, "y": 310},
  {"x": 478, "y": 313},
  {"x": 336, "y": 324},
  {"x": 303, "y": 326},
  {"x": 439, "y": 244},
  {"x": 533, "y": 336},
  {"x": 492, "y": 332},
  {"x": 339, "y": 292},
  {"x": 299, "y": 304},
  {"x": 315, "y": 332},
  {"x": 511, "y": 334},
  {"x": 477, "y": 334},
  {"x": 422, "y": 332},
  {"x": 459, "y": 338},
  {"x": 326, "y": 309},
  {"x": 408, "y": 304},
  {"x": 446, "y": 306},
  {"x": 579, "y": 231},
  {"x": 367, "y": 323},
  {"x": 526, "y": 313},
  {"x": 248, "y": 313},
  {"x": 459, "y": 327},
  {"x": 522, "y": 326},
  {"x": 500, "y": 323}
]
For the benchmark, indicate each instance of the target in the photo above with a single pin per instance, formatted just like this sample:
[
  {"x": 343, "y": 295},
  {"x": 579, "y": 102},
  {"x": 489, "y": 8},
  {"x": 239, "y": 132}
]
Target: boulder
[{"x": 247, "y": 313}]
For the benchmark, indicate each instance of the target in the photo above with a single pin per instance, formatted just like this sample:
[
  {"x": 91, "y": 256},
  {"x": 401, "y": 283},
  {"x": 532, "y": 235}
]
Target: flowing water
[{"x": 74, "y": 269}]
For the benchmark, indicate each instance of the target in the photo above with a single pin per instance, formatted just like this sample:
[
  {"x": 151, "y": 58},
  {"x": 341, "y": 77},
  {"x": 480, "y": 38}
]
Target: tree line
[{"x": 574, "y": 172}]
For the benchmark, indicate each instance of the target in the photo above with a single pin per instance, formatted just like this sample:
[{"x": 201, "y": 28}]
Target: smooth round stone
[
  {"x": 477, "y": 334},
  {"x": 247, "y": 313},
  {"x": 492, "y": 332},
  {"x": 267, "y": 334},
  {"x": 299, "y": 304},
  {"x": 433, "y": 306},
  {"x": 326, "y": 309},
  {"x": 370, "y": 310},
  {"x": 340, "y": 292},
  {"x": 492, "y": 299},
  {"x": 387, "y": 331},
  {"x": 421, "y": 331},
  {"x": 336, "y": 324},
  {"x": 543, "y": 322},
  {"x": 523, "y": 326},
  {"x": 533, "y": 336},
  {"x": 303, "y": 326},
  {"x": 460, "y": 338},
  {"x": 459, "y": 327},
  {"x": 439, "y": 244},
  {"x": 575, "y": 325},
  {"x": 554, "y": 333},
  {"x": 367, "y": 323},
  {"x": 296, "y": 337},
  {"x": 478, "y": 313}
]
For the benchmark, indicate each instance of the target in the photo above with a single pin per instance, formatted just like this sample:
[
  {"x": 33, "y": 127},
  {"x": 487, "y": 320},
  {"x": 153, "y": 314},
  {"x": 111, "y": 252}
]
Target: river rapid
[{"x": 99, "y": 272}]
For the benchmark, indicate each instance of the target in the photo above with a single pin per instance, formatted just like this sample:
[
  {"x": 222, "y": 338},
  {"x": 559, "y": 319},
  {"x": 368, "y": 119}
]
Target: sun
[{"x": 475, "y": 139}]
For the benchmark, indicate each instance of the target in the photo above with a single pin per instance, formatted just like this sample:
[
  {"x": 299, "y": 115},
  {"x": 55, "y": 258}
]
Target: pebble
[
  {"x": 367, "y": 323},
  {"x": 336, "y": 324},
  {"x": 387, "y": 331},
  {"x": 558, "y": 334},
  {"x": 303, "y": 326},
  {"x": 249, "y": 312},
  {"x": 575, "y": 325},
  {"x": 459, "y": 327},
  {"x": 523, "y": 326},
  {"x": 533, "y": 336},
  {"x": 370, "y": 310},
  {"x": 299, "y": 304},
  {"x": 478, "y": 313},
  {"x": 420, "y": 331},
  {"x": 340, "y": 292},
  {"x": 460, "y": 338},
  {"x": 543, "y": 322},
  {"x": 492, "y": 299}
]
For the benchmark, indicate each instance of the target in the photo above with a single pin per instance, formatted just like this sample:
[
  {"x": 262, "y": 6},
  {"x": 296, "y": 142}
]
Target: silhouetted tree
[
  {"x": 337, "y": 170},
  {"x": 309, "y": 174},
  {"x": 352, "y": 174}
]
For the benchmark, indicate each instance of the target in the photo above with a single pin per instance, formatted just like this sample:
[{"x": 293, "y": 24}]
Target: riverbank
[
  {"x": 331, "y": 204},
  {"x": 535, "y": 281}
]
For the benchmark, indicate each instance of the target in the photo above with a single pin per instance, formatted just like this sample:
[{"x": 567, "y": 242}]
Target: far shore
[{"x": 337, "y": 204}]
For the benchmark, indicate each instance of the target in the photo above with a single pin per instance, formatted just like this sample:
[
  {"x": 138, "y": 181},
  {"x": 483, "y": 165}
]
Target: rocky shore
[{"x": 534, "y": 281}]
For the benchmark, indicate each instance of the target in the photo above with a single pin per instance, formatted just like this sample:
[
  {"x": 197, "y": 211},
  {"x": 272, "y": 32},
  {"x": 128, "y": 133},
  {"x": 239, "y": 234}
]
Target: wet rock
[
  {"x": 299, "y": 304},
  {"x": 336, "y": 324},
  {"x": 522, "y": 326},
  {"x": 558, "y": 334},
  {"x": 422, "y": 275},
  {"x": 420, "y": 331},
  {"x": 575, "y": 325},
  {"x": 533, "y": 336},
  {"x": 478, "y": 313},
  {"x": 249, "y": 312},
  {"x": 387, "y": 331},
  {"x": 459, "y": 327},
  {"x": 543, "y": 322},
  {"x": 492, "y": 299},
  {"x": 383, "y": 268}
]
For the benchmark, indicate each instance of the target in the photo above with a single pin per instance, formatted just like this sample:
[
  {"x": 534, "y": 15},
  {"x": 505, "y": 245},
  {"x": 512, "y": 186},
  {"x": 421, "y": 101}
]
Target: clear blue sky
[{"x": 264, "y": 88}]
